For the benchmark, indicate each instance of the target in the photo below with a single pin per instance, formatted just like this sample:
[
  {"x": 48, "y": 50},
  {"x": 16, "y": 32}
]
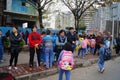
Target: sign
[{"x": 25, "y": 25}]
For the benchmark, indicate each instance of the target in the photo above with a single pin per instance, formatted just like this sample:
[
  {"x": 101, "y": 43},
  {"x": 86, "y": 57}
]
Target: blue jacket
[
  {"x": 54, "y": 40},
  {"x": 48, "y": 38}
]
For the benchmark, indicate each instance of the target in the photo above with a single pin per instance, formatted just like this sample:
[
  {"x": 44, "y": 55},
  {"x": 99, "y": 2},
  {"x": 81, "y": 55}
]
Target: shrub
[
  {"x": 22, "y": 43},
  {"x": 6, "y": 42}
]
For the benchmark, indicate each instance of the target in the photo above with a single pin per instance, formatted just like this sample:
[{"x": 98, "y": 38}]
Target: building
[
  {"x": 59, "y": 16},
  {"x": 89, "y": 18},
  {"x": 1, "y": 12},
  {"x": 108, "y": 18},
  {"x": 19, "y": 12}
]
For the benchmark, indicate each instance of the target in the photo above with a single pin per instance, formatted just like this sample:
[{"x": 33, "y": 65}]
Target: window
[{"x": 23, "y": 3}]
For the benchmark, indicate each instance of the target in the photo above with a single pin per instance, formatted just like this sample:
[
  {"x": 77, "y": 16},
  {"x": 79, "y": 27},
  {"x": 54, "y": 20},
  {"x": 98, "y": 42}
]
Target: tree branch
[
  {"x": 86, "y": 8},
  {"x": 67, "y": 3},
  {"x": 32, "y": 4},
  {"x": 45, "y": 3}
]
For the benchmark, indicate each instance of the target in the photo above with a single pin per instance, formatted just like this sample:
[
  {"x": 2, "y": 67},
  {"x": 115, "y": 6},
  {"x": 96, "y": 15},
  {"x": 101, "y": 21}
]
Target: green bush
[
  {"x": 22, "y": 43},
  {"x": 6, "y": 43}
]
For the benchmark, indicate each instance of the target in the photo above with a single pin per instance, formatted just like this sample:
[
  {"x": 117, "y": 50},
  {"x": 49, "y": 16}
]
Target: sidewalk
[{"x": 22, "y": 73}]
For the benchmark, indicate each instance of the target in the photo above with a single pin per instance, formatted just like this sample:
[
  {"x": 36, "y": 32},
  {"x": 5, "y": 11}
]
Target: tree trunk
[
  {"x": 76, "y": 23},
  {"x": 40, "y": 19}
]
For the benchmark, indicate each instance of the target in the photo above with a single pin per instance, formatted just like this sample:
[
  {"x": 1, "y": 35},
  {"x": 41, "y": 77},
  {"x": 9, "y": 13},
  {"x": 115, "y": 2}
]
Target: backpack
[
  {"x": 6, "y": 76},
  {"x": 92, "y": 43},
  {"x": 84, "y": 44},
  {"x": 107, "y": 54},
  {"x": 118, "y": 41},
  {"x": 66, "y": 62}
]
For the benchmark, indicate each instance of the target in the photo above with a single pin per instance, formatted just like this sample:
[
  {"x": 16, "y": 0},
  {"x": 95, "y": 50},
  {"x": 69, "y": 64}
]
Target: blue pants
[
  {"x": 87, "y": 49},
  {"x": 67, "y": 74},
  {"x": 1, "y": 52},
  {"x": 73, "y": 46},
  {"x": 48, "y": 57},
  {"x": 92, "y": 50},
  {"x": 42, "y": 56},
  {"x": 83, "y": 52},
  {"x": 101, "y": 64}
]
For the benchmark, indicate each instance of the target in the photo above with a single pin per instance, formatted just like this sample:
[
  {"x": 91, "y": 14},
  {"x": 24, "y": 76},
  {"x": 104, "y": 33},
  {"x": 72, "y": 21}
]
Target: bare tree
[
  {"x": 78, "y": 7},
  {"x": 40, "y": 6}
]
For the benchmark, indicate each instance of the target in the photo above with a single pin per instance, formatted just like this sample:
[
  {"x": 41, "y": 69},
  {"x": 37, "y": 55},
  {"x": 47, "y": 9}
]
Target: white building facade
[{"x": 59, "y": 16}]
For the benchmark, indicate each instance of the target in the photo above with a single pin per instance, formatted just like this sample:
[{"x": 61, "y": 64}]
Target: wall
[
  {"x": 5, "y": 29},
  {"x": 16, "y": 6}
]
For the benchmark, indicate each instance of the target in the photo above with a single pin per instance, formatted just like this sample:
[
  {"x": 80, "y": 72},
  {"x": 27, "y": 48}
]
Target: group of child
[{"x": 85, "y": 45}]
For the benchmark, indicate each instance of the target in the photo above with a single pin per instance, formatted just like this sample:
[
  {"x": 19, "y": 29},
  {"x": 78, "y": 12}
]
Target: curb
[
  {"x": 49, "y": 72},
  {"x": 42, "y": 74}
]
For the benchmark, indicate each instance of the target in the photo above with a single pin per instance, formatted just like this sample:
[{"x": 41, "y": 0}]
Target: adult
[
  {"x": 8, "y": 33},
  {"x": 35, "y": 41},
  {"x": 71, "y": 37},
  {"x": 118, "y": 44},
  {"x": 99, "y": 38},
  {"x": 26, "y": 35},
  {"x": 15, "y": 39},
  {"x": 60, "y": 41}
]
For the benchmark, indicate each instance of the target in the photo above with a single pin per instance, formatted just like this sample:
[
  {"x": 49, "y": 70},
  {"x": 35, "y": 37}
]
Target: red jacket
[
  {"x": 99, "y": 39},
  {"x": 34, "y": 38}
]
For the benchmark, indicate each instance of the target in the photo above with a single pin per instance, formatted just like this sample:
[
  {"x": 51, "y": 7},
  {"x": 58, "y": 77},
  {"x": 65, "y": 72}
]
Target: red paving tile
[{"x": 23, "y": 69}]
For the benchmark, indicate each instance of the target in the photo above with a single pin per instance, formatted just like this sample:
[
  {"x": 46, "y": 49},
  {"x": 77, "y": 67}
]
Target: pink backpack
[
  {"x": 84, "y": 44},
  {"x": 93, "y": 43},
  {"x": 66, "y": 62}
]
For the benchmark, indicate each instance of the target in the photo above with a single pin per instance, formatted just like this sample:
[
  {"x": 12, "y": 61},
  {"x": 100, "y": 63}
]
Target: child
[
  {"x": 84, "y": 46},
  {"x": 101, "y": 57},
  {"x": 80, "y": 46},
  {"x": 107, "y": 43},
  {"x": 92, "y": 45},
  {"x": 65, "y": 61},
  {"x": 48, "y": 49},
  {"x": 108, "y": 51},
  {"x": 77, "y": 44}
]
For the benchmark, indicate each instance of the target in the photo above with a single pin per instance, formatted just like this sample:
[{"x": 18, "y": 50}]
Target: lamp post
[{"x": 113, "y": 20}]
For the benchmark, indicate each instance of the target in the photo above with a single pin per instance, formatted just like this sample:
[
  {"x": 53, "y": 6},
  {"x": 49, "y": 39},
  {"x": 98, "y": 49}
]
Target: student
[
  {"x": 80, "y": 46},
  {"x": 92, "y": 45},
  {"x": 48, "y": 49},
  {"x": 107, "y": 43},
  {"x": 65, "y": 61},
  {"x": 15, "y": 39},
  {"x": 84, "y": 46},
  {"x": 35, "y": 41},
  {"x": 108, "y": 50},
  {"x": 101, "y": 57}
]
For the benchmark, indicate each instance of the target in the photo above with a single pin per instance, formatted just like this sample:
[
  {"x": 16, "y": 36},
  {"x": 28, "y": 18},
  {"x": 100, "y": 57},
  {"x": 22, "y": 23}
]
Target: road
[
  {"x": 112, "y": 72},
  {"x": 22, "y": 58}
]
